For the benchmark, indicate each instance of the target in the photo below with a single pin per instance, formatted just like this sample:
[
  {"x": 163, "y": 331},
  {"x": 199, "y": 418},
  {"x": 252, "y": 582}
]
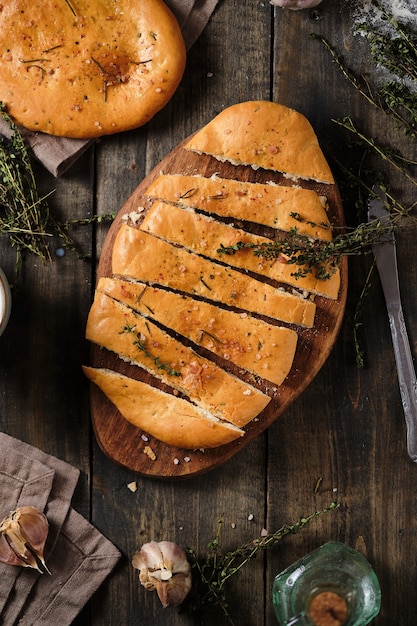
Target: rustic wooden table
[{"x": 344, "y": 437}]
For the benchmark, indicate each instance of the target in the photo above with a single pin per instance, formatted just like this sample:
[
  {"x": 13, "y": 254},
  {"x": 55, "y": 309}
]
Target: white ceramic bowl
[{"x": 5, "y": 301}]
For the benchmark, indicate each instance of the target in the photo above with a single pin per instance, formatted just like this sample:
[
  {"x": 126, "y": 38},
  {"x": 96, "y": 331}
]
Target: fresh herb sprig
[
  {"x": 393, "y": 52},
  {"x": 216, "y": 569},
  {"x": 321, "y": 257},
  {"x": 25, "y": 216},
  {"x": 394, "y": 98},
  {"x": 139, "y": 342}
]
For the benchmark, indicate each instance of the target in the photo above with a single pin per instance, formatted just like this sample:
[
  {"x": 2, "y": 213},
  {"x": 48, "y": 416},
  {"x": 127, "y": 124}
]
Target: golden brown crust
[
  {"x": 87, "y": 68},
  {"x": 204, "y": 235},
  {"x": 261, "y": 348},
  {"x": 134, "y": 255},
  {"x": 267, "y": 135},
  {"x": 135, "y": 338},
  {"x": 277, "y": 206},
  {"x": 168, "y": 418}
]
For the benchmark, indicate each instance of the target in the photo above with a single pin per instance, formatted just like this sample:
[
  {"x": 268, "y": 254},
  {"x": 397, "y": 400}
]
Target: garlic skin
[
  {"x": 23, "y": 536},
  {"x": 295, "y": 5},
  {"x": 164, "y": 567}
]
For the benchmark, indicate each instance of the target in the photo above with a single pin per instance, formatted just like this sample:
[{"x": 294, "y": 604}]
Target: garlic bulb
[
  {"x": 164, "y": 567},
  {"x": 23, "y": 536},
  {"x": 296, "y": 5}
]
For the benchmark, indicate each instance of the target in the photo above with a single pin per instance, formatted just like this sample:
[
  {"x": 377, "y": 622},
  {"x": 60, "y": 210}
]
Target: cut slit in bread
[
  {"x": 159, "y": 414},
  {"x": 263, "y": 349},
  {"x": 205, "y": 236},
  {"x": 141, "y": 256},
  {"x": 277, "y": 206},
  {"x": 139, "y": 341}
]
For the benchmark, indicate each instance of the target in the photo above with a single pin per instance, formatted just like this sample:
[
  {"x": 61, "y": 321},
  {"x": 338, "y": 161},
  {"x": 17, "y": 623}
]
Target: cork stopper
[{"x": 328, "y": 609}]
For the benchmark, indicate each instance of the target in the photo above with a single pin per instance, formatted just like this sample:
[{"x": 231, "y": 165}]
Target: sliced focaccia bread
[
  {"x": 207, "y": 236},
  {"x": 278, "y": 206},
  {"x": 261, "y": 348},
  {"x": 141, "y": 256},
  {"x": 173, "y": 420},
  {"x": 138, "y": 340},
  {"x": 267, "y": 135}
]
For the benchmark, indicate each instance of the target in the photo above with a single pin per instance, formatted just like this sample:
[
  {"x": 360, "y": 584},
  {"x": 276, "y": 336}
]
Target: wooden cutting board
[{"x": 135, "y": 450}]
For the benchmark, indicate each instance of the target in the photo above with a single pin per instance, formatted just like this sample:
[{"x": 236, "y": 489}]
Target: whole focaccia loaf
[{"x": 85, "y": 68}]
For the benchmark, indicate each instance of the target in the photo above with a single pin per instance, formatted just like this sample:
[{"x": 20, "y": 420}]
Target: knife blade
[{"x": 385, "y": 254}]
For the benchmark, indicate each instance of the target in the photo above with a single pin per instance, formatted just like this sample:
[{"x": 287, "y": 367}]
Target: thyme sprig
[
  {"x": 216, "y": 569},
  {"x": 390, "y": 155},
  {"x": 139, "y": 342},
  {"x": 25, "y": 216},
  {"x": 393, "y": 98},
  {"x": 393, "y": 52},
  {"x": 319, "y": 256}
]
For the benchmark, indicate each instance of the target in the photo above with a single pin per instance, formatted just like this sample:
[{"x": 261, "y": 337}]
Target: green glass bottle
[{"x": 332, "y": 586}]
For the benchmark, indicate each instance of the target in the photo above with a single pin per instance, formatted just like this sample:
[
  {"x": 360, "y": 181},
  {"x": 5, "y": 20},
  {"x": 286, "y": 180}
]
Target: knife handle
[{"x": 406, "y": 377}]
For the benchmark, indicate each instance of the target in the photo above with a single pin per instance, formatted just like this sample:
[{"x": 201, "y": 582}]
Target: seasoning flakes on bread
[
  {"x": 267, "y": 135},
  {"x": 140, "y": 341},
  {"x": 278, "y": 206},
  {"x": 141, "y": 256},
  {"x": 88, "y": 68},
  {"x": 209, "y": 338},
  {"x": 264, "y": 349},
  {"x": 206, "y": 236}
]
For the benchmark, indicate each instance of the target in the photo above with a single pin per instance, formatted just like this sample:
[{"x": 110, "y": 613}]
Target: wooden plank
[{"x": 186, "y": 512}]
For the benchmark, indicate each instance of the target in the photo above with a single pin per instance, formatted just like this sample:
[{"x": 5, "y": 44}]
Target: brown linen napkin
[
  {"x": 57, "y": 154},
  {"x": 23, "y": 481},
  {"x": 56, "y": 506},
  {"x": 74, "y": 546},
  {"x": 80, "y": 562}
]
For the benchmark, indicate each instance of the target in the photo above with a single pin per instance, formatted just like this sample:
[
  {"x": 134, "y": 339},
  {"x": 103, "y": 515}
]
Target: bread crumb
[
  {"x": 132, "y": 486},
  {"x": 149, "y": 452}
]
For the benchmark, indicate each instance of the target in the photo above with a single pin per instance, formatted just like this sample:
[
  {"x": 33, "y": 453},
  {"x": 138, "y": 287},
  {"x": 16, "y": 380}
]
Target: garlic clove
[
  {"x": 34, "y": 528},
  {"x": 7, "y": 554},
  {"x": 24, "y": 533},
  {"x": 174, "y": 557},
  {"x": 174, "y": 592},
  {"x": 164, "y": 567}
]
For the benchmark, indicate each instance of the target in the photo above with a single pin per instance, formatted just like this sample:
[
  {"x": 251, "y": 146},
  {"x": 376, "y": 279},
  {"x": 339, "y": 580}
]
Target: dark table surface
[{"x": 343, "y": 439}]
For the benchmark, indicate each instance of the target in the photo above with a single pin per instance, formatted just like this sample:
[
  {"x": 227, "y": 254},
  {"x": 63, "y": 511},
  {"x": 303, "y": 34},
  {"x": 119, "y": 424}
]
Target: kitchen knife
[{"x": 386, "y": 262}]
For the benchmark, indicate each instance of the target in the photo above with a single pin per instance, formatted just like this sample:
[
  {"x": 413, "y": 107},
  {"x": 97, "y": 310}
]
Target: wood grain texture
[{"x": 343, "y": 438}]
